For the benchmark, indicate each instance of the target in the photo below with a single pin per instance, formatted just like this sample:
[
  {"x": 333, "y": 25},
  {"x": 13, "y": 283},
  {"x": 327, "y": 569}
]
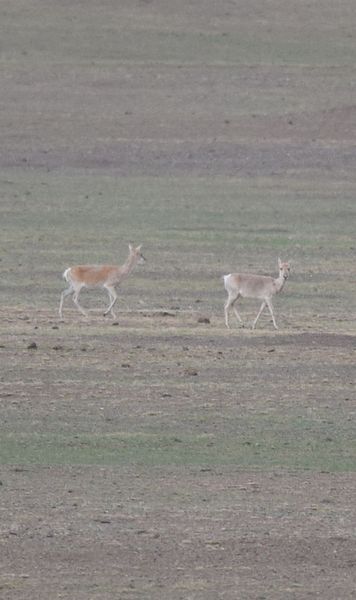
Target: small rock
[
  {"x": 115, "y": 324},
  {"x": 191, "y": 372},
  {"x": 32, "y": 346},
  {"x": 103, "y": 520},
  {"x": 203, "y": 320}
]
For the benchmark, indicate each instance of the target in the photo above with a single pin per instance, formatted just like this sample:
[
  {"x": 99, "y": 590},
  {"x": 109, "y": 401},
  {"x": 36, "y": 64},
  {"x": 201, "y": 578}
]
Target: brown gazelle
[
  {"x": 254, "y": 286},
  {"x": 105, "y": 276}
]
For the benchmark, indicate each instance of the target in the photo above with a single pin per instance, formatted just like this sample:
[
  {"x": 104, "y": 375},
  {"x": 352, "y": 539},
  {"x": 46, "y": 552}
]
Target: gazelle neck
[
  {"x": 130, "y": 263},
  {"x": 280, "y": 281}
]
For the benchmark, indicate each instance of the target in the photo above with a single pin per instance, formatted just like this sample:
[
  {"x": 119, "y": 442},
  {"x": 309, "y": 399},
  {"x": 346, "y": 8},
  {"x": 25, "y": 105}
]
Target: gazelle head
[
  {"x": 137, "y": 254},
  {"x": 284, "y": 269}
]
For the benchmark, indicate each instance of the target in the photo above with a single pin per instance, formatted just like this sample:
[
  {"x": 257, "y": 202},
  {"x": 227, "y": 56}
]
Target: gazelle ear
[
  {"x": 279, "y": 262},
  {"x": 130, "y": 247},
  {"x": 139, "y": 248}
]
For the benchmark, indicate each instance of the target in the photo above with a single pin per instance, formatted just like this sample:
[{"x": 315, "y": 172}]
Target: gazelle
[
  {"x": 105, "y": 276},
  {"x": 254, "y": 286}
]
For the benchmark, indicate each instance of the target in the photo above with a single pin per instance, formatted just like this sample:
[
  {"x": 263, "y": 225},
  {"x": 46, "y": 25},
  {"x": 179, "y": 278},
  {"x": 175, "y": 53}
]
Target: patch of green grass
[
  {"x": 306, "y": 448},
  {"x": 83, "y": 212}
]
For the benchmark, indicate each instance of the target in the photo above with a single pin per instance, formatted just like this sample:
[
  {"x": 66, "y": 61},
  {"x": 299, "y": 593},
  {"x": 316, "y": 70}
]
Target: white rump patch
[
  {"x": 65, "y": 274},
  {"x": 226, "y": 277}
]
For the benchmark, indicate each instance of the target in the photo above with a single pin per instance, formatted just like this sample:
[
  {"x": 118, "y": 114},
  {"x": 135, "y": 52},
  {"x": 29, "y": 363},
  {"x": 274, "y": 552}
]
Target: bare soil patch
[{"x": 209, "y": 533}]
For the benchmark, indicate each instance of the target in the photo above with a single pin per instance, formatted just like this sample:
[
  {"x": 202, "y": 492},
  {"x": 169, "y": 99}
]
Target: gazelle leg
[
  {"x": 270, "y": 307},
  {"x": 259, "y": 314},
  {"x": 112, "y": 298},
  {"x": 76, "y": 302},
  {"x": 237, "y": 314},
  {"x": 230, "y": 303},
  {"x": 226, "y": 312},
  {"x": 67, "y": 292}
]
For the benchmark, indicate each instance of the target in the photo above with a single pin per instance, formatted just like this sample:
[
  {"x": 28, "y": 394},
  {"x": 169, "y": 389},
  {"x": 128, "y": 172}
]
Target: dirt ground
[
  {"x": 145, "y": 464},
  {"x": 159, "y": 455},
  {"x": 107, "y": 533}
]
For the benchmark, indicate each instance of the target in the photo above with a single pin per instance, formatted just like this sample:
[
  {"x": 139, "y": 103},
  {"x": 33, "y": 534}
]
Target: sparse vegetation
[{"x": 165, "y": 456}]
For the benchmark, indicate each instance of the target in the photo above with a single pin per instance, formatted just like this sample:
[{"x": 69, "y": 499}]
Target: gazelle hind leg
[
  {"x": 67, "y": 292},
  {"x": 76, "y": 302},
  {"x": 226, "y": 313},
  {"x": 229, "y": 303},
  {"x": 236, "y": 313}
]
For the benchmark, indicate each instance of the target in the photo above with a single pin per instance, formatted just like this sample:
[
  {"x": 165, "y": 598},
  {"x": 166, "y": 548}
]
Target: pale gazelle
[
  {"x": 254, "y": 286},
  {"x": 105, "y": 276}
]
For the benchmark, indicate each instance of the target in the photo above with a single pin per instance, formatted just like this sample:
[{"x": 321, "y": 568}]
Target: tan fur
[
  {"x": 254, "y": 286},
  {"x": 106, "y": 276},
  {"x": 95, "y": 275}
]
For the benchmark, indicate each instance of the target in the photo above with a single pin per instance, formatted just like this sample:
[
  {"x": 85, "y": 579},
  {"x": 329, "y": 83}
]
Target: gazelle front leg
[
  {"x": 270, "y": 307},
  {"x": 112, "y": 297},
  {"x": 259, "y": 314}
]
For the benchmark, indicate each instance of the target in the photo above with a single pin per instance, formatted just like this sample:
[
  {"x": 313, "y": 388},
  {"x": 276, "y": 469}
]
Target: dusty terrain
[{"x": 159, "y": 455}]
